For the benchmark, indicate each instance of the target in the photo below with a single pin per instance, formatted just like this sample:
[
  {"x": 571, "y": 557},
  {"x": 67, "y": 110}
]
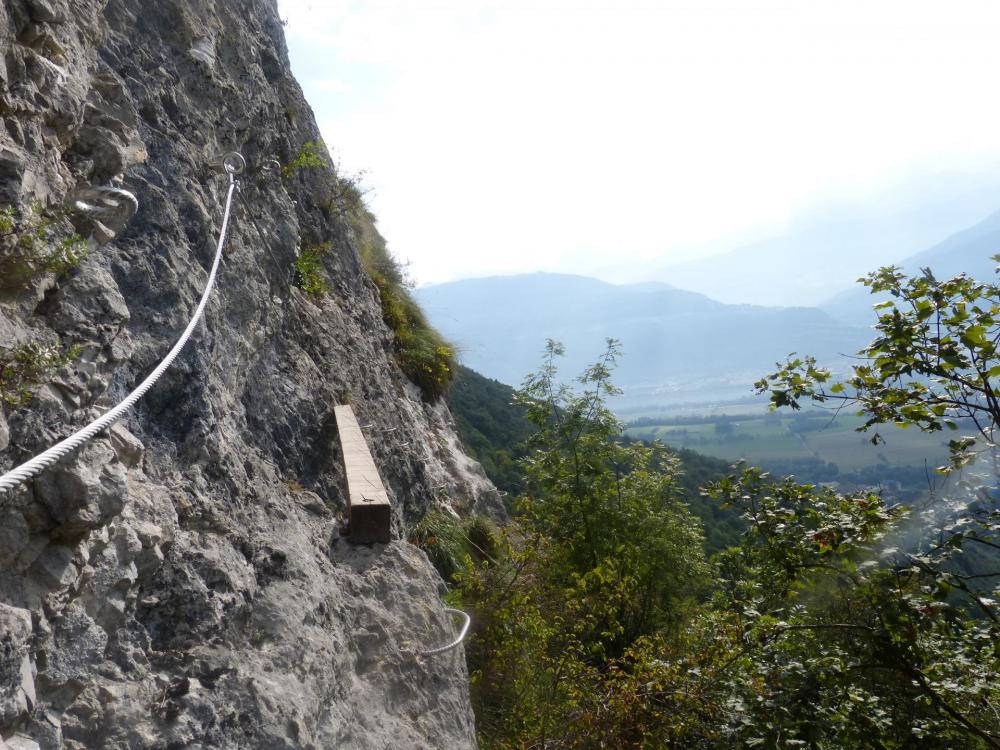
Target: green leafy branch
[
  {"x": 27, "y": 365},
  {"x": 35, "y": 243},
  {"x": 309, "y": 275},
  {"x": 312, "y": 155},
  {"x": 932, "y": 364}
]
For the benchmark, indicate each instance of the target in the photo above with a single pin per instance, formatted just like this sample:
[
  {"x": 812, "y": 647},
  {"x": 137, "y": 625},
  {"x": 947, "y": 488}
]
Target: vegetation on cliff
[
  {"x": 495, "y": 429},
  {"x": 420, "y": 351},
  {"x": 839, "y": 620},
  {"x": 36, "y": 242}
]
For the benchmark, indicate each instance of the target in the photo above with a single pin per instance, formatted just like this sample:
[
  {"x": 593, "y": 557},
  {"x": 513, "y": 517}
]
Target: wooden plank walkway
[{"x": 370, "y": 515}]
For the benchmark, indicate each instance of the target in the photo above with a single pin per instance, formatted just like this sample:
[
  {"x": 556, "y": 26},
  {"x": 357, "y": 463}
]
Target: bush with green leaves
[
  {"x": 35, "y": 243},
  {"x": 603, "y": 554},
  {"x": 933, "y": 365},
  {"x": 615, "y": 507},
  {"x": 309, "y": 272},
  {"x": 839, "y": 621},
  {"x": 835, "y": 634},
  {"x": 311, "y": 155},
  {"x": 345, "y": 196},
  {"x": 890, "y": 625},
  {"x": 27, "y": 365}
]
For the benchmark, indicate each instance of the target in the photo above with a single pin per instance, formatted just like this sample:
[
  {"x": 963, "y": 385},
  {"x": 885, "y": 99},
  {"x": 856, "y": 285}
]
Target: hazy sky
[{"x": 521, "y": 135}]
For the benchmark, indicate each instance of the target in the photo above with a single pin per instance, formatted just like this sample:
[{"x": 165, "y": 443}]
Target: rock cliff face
[{"x": 180, "y": 582}]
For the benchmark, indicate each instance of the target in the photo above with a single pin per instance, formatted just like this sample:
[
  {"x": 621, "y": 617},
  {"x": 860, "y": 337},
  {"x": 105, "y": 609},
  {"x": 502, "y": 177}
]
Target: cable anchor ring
[
  {"x": 270, "y": 165},
  {"x": 234, "y": 163}
]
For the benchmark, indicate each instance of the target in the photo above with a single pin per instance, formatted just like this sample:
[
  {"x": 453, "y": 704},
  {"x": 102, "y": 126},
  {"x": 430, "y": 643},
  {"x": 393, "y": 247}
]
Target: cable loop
[
  {"x": 234, "y": 163},
  {"x": 457, "y": 641},
  {"x": 269, "y": 166},
  {"x": 109, "y": 205}
]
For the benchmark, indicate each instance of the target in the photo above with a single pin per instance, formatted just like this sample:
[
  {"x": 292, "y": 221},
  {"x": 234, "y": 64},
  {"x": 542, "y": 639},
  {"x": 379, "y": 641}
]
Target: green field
[{"x": 774, "y": 437}]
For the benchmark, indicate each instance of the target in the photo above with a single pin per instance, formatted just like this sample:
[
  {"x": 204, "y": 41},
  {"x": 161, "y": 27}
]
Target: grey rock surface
[{"x": 180, "y": 582}]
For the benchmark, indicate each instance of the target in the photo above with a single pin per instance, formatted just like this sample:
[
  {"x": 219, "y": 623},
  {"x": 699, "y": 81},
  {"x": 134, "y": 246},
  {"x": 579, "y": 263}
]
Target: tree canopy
[{"x": 839, "y": 620}]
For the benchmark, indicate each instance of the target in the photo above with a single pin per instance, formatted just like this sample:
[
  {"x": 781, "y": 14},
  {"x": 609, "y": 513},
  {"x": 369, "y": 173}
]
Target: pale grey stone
[
  {"x": 15, "y": 634},
  {"x": 127, "y": 446},
  {"x": 54, "y": 568},
  {"x": 180, "y": 593}
]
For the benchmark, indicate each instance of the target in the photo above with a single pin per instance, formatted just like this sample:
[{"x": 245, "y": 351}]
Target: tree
[
  {"x": 839, "y": 621},
  {"x": 842, "y": 638},
  {"x": 625, "y": 537},
  {"x": 603, "y": 553},
  {"x": 933, "y": 363},
  {"x": 901, "y": 647}
]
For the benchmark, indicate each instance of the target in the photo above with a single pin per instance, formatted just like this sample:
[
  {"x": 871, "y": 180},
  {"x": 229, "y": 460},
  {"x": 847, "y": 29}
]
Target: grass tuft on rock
[
  {"x": 309, "y": 275},
  {"x": 420, "y": 351},
  {"x": 453, "y": 544}
]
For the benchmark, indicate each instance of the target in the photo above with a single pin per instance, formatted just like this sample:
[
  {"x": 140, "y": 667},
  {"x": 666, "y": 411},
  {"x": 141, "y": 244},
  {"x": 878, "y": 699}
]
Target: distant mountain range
[
  {"x": 813, "y": 262},
  {"x": 683, "y": 346},
  {"x": 967, "y": 252},
  {"x": 679, "y": 345}
]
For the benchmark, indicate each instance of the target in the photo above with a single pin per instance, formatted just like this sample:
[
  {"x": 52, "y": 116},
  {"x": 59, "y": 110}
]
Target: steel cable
[
  {"x": 454, "y": 643},
  {"x": 39, "y": 463}
]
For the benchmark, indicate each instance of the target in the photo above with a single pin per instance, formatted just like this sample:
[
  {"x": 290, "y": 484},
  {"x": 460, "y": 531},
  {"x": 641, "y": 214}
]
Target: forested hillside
[
  {"x": 839, "y": 620},
  {"x": 494, "y": 429}
]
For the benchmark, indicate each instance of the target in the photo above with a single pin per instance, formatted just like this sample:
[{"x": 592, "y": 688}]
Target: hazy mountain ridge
[
  {"x": 967, "y": 251},
  {"x": 820, "y": 255},
  {"x": 673, "y": 339}
]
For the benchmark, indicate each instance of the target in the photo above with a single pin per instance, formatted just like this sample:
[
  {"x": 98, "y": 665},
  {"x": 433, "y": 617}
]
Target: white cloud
[{"x": 521, "y": 135}]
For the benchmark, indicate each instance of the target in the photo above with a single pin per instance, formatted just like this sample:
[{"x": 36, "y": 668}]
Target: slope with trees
[
  {"x": 495, "y": 429},
  {"x": 840, "y": 621}
]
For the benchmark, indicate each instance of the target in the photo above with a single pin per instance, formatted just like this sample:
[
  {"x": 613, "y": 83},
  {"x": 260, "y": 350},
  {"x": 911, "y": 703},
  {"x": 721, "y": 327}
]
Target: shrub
[
  {"x": 37, "y": 243},
  {"x": 453, "y": 544},
  {"x": 312, "y": 155},
  {"x": 309, "y": 270},
  {"x": 26, "y": 365},
  {"x": 420, "y": 351},
  {"x": 347, "y": 196}
]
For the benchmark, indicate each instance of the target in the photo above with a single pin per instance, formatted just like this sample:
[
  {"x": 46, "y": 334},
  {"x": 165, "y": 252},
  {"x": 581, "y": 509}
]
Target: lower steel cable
[{"x": 39, "y": 463}]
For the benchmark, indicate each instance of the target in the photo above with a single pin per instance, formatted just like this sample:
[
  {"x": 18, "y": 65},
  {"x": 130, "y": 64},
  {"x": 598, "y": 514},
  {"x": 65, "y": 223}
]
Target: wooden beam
[{"x": 370, "y": 515}]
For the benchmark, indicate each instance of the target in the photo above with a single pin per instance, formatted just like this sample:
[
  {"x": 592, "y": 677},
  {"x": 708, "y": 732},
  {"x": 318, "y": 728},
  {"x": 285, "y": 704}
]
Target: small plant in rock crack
[
  {"x": 346, "y": 195},
  {"x": 312, "y": 155},
  {"x": 29, "y": 364},
  {"x": 36, "y": 242},
  {"x": 455, "y": 544},
  {"x": 309, "y": 275}
]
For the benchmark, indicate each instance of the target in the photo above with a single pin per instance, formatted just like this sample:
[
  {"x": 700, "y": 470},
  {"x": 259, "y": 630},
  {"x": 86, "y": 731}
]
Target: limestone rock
[
  {"x": 128, "y": 448},
  {"x": 84, "y": 493},
  {"x": 179, "y": 581},
  {"x": 17, "y": 690},
  {"x": 20, "y": 742}
]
